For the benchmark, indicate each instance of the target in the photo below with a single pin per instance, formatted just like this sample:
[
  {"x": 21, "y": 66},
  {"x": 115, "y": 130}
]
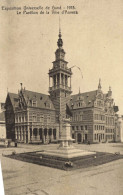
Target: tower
[
  {"x": 99, "y": 85},
  {"x": 60, "y": 74}
]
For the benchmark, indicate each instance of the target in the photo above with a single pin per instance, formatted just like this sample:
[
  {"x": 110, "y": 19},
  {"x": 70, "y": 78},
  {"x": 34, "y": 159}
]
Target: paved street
[{"x": 26, "y": 178}]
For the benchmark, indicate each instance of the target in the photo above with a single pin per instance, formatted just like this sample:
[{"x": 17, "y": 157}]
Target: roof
[
  {"x": 14, "y": 99},
  {"x": 42, "y": 100},
  {"x": 2, "y": 116},
  {"x": 87, "y": 98}
]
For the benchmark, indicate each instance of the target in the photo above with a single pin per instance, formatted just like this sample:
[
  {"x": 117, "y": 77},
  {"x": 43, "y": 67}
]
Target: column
[
  {"x": 16, "y": 133},
  {"x": 60, "y": 79},
  {"x": 19, "y": 134},
  {"x": 67, "y": 80},
  {"x": 57, "y": 132},
  {"x": 64, "y": 80},
  {"x": 28, "y": 133},
  {"x": 47, "y": 136},
  {"x": 38, "y": 137},
  {"x": 53, "y": 80},
  {"x": 32, "y": 133},
  {"x": 76, "y": 137},
  {"x": 24, "y": 134},
  {"x": 43, "y": 140},
  {"x": 51, "y": 135}
]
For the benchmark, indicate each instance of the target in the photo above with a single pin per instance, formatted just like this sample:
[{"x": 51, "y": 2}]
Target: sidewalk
[{"x": 27, "y": 178}]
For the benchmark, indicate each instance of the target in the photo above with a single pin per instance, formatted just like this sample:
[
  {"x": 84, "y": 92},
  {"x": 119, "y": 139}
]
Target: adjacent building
[
  {"x": 2, "y": 121},
  {"x": 118, "y": 128},
  {"x": 36, "y": 117}
]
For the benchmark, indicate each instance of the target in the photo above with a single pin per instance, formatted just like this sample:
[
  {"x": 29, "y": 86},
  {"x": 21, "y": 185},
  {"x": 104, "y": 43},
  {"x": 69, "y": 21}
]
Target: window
[
  {"x": 77, "y": 128},
  {"x": 41, "y": 118},
  {"x": 86, "y": 127},
  {"x": 72, "y": 136},
  {"x": 95, "y": 136},
  {"x": 25, "y": 118},
  {"x": 19, "y": 118},
  {"x": 72, "y": 127},
  {"x": 34, "y": 117},
  {"x": 34, "y": 103},
  {"x": 81, "y": 127},
  {"x": 48, "y": 118},
  {"x": 22, "y": 118},
  {"x": 80, "y": 117}
]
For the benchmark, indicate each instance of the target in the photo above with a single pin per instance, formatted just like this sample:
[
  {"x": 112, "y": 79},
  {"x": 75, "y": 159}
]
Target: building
[
  {"x": 37, "y": 117},
  {"x": 118, "y": 128},
  {"x": 2, "y": 121}
]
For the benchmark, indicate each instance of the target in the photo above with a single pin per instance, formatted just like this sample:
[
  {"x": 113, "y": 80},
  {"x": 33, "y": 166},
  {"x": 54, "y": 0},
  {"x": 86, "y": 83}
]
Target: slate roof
[
  {"x": 14, "y": 99},
  {"x": 87, "y": 98},
  {"x": 42, "y": 99}
]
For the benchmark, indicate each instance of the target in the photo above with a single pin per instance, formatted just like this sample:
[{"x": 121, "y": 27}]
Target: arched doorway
[
  {"x": 35, "y": 132},
  {"x": 79, "y": 137}
]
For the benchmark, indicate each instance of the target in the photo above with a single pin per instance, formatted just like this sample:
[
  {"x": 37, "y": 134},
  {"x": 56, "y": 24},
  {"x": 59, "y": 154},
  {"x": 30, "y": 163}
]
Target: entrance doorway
[{"x": 79, "y": 137}]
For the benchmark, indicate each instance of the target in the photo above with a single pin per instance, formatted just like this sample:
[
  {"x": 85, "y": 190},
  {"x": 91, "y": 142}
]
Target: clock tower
[{"x": 60, "y": 86}]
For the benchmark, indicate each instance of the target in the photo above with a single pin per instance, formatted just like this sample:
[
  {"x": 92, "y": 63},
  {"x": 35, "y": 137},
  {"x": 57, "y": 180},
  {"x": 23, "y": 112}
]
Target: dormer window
[{"x": 34, "y": 103}]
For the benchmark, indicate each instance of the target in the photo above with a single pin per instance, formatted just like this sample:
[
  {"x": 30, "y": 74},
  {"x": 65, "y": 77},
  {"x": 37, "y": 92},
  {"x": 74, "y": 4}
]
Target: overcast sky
[{"x": 92, "y": 40}]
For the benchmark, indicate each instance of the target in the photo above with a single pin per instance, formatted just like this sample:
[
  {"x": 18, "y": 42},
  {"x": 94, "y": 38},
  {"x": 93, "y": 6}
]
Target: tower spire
[
  {"x": 60, "y": 42},
  {"x": 59, "y": 25},
  {"x": 99, "y": 85}
]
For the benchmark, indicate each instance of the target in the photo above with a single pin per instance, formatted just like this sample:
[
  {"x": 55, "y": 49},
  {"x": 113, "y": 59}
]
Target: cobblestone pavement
[{"x": 27, "y": 178}]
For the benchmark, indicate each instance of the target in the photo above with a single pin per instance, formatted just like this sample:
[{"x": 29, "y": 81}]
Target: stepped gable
[{"x": 87, "y": 98}]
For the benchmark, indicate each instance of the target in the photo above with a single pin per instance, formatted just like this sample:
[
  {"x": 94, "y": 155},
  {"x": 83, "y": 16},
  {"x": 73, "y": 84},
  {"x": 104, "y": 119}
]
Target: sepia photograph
[{"x": 61, "y": 97}]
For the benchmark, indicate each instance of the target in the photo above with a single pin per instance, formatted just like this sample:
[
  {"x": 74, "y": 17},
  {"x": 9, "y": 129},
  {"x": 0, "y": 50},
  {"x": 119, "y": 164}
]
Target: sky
[{"x": 92, "y": 40}]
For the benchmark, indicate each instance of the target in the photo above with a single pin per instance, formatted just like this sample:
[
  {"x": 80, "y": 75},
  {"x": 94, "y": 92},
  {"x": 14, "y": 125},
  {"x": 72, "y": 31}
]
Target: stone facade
[
  {"x": 119, "y": 128},
  {"x": 35, "y": 117}
]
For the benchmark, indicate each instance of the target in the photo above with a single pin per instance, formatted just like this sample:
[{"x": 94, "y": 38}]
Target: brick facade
[{"x": 35, "y": 117}]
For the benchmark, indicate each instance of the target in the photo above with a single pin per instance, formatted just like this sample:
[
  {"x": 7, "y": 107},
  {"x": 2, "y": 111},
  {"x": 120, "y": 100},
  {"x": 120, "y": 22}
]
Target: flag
[{"x": 68, "y": 111}]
